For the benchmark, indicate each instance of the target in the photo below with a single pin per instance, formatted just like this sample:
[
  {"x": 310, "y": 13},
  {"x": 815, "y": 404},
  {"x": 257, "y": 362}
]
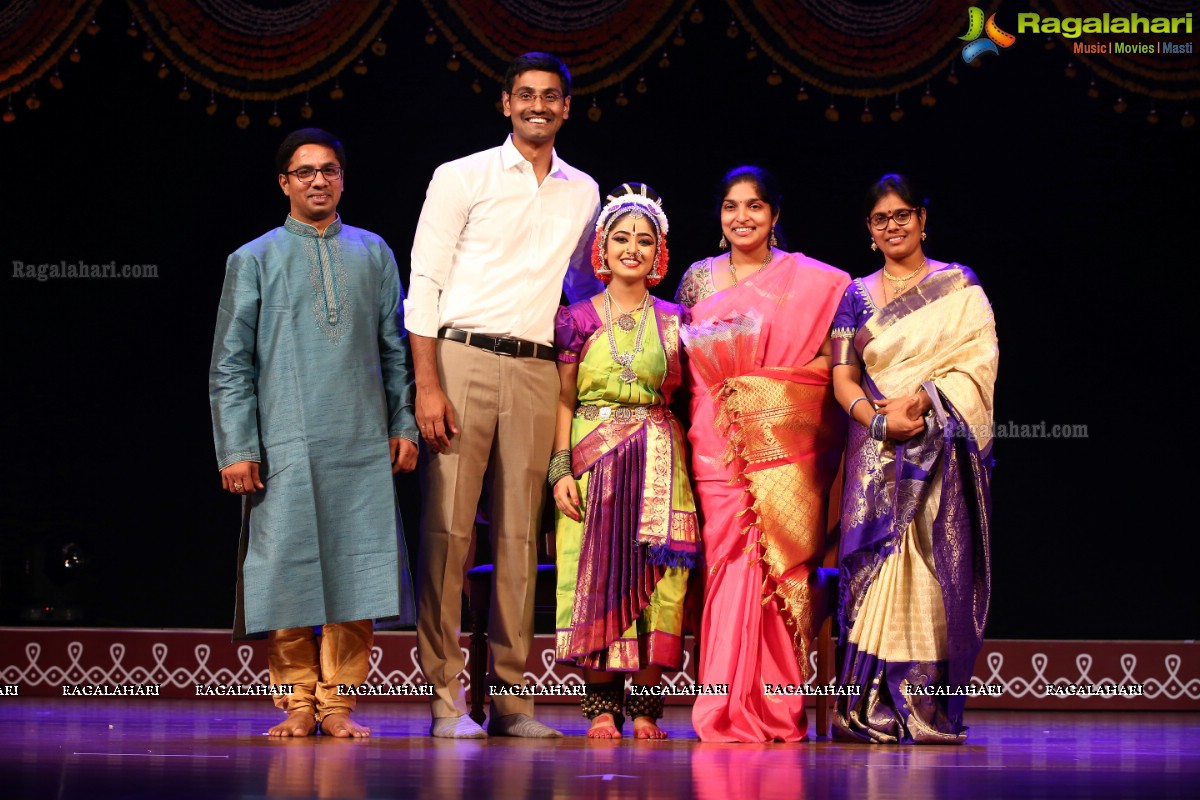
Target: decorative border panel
[{"x": 1024, "y": 674}]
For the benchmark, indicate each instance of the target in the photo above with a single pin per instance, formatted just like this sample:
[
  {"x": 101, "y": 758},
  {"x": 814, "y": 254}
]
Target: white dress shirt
[{"x": 493, "y": 247}]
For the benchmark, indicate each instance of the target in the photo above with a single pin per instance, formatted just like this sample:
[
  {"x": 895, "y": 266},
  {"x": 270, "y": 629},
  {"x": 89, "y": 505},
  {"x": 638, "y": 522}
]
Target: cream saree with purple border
[{"x": 914, "y": 561}]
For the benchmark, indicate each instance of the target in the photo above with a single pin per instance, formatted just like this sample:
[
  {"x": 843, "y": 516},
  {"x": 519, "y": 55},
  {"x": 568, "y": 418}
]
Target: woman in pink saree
[{"x": 767, "y": 437}]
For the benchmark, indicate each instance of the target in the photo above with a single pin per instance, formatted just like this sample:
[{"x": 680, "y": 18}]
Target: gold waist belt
[{"x": 622, "y": 414}]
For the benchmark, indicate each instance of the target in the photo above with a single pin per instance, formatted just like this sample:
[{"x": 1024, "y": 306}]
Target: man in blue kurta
[{"x": 311, "y": 396}]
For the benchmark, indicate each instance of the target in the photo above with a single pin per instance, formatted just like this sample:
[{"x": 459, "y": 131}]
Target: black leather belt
[{"x": 515, "y": 348}]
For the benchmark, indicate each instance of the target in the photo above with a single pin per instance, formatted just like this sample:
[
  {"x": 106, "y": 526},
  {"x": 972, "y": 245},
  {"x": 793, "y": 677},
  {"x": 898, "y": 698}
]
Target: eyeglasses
[
  {"x": 902, "y": 216},
  {"x": 550, "y": 98},
  {"x": 308, "y": 174}
]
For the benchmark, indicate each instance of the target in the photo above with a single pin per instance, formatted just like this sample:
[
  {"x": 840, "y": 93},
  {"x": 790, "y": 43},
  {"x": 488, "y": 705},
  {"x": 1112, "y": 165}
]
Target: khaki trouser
[{"x": 505, "y": 409}]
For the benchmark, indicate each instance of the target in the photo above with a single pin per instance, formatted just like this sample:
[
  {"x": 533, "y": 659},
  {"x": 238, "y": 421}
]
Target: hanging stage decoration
[
  {"x": 34, "y": 38},
  {"x": 1135, "y": 69},
  {"x": 873, "y": 52},
  {"x": 262, "y": 51},
  {"x": 844, "y": 48},
  {"x": 869, "y": 50},
  {"x": 604, "y": 41},
  {"x": 856, "y": 49}
]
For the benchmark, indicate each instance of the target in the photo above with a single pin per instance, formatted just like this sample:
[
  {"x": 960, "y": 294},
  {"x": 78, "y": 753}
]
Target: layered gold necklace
[{"x": 628, "y": 375}]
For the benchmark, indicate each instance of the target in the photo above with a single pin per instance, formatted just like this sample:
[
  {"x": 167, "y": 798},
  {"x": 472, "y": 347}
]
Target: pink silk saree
[{"x": 767, "y": 437}]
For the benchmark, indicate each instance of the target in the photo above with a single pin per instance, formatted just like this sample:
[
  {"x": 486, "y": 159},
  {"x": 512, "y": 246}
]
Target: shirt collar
[
  {"x": 304, "y": 229},
  {"x": 511, "y": 157}
]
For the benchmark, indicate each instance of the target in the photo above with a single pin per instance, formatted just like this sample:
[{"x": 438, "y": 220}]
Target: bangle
[
  {"x": 560, "y": 467},
  {"x": 879, "y": 427},
  {"x": 850, "y": 410}
]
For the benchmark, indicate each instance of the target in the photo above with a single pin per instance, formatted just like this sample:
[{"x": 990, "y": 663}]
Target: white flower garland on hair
[
  {"x": 639, "y": 204},
  {"x": 653, "y": 208}
]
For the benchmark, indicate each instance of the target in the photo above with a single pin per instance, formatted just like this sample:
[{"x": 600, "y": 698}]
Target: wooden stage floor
[{"x": 71, "y": 748}]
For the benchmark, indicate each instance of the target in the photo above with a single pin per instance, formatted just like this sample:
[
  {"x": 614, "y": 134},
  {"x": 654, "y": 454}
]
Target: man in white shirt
[{"x": 499, "y": 232}]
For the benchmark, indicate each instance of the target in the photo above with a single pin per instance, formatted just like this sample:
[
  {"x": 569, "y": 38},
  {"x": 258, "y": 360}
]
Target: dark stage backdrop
[{"x": 1079, "y": 221}]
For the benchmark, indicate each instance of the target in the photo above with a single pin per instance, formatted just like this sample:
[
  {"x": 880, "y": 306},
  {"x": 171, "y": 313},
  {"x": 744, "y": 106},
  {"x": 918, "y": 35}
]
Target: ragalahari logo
[{"x": 996, "y": 38}]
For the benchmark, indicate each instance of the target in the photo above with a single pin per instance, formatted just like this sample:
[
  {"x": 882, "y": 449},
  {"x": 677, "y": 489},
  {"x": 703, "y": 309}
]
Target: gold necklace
[
  {"x": 625, "y": 321},
  {"x": 628, "y": 374},
  {"x": 899, "y": 284},
  {"x": 733, "y": 269}
]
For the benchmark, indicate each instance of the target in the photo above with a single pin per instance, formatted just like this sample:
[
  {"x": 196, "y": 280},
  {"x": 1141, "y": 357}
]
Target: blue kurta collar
[{"x": 303, "y": 229}]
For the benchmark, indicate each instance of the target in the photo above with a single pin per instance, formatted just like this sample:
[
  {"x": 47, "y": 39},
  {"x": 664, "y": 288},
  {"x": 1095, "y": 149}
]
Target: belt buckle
[{"x": 511, "y": 346}]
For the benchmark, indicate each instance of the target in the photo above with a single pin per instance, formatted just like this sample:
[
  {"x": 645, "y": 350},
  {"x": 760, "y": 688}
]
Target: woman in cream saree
[{"x": 915, "y": 366}]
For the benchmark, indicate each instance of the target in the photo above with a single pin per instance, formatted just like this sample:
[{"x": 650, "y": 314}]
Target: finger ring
[{"x": 237, "y": 487}]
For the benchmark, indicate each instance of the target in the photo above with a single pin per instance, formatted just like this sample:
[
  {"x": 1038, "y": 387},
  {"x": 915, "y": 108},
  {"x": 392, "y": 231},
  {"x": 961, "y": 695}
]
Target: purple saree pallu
[
  {"x": 620, "y": 579},
  {"x": 916, "y": 520}
]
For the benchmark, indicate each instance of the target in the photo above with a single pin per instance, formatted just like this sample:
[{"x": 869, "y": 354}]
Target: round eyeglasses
[
  {"x": 308, "y": 174},
  {"x": 902, "y": 217}
]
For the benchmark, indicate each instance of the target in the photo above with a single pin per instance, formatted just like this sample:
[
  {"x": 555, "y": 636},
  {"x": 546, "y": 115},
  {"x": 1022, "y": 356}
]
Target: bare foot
[
  {"x": 604, "y": 726},
  {"x": 342, "y": 727},
  {"x": 647, "y": 728},
  {"x": 298, "y": 723}
]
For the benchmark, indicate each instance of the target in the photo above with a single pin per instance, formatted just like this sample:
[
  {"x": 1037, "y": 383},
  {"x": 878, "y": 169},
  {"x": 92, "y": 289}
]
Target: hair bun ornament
[{"x": 627, "y": 189}]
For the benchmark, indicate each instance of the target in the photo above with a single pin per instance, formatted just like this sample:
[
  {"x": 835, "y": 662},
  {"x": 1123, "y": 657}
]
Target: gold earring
[
  {"x": 773, "y": 241},
  {"x": 924, "y": 236},
  {"x": 874, "y": 246},
  {"x": 724, "y": 245}
]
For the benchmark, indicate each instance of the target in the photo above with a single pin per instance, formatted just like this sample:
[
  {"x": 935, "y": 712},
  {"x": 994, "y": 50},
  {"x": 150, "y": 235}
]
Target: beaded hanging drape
[
  {"x": 1164, "y": 77},
  {"x": 603, "y": 40},
  {"x": 264, "y": 50},
  {"x": 863, "y": 49},
  {"x": 268, "y": 50},
  {"x": 35, "y": 36}
]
